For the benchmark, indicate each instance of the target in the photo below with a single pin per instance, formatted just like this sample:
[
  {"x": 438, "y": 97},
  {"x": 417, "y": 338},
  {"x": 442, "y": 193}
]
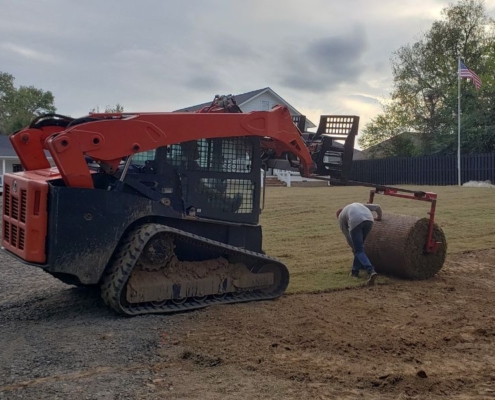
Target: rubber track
[{"x": 128, "y": 254}]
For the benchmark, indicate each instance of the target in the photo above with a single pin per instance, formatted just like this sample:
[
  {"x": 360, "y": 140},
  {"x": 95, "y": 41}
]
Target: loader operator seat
[{"x": 212, "y": 189}]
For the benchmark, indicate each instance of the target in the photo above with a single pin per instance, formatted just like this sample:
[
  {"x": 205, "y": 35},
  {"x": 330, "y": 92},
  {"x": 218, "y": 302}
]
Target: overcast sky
[{"x": 322, "y": 56}]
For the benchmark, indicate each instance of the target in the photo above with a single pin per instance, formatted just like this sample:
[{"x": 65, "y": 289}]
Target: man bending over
[{"x": 356, "y": 221}]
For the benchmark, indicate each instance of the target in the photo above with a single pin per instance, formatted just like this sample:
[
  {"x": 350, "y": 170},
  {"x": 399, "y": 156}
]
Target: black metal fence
[{"x": 430, "y": 170}]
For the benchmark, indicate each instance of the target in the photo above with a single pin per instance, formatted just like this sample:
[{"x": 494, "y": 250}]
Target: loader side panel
[
  {"x": 86, "y": 225},
  {"x": 24, "y": 217}
]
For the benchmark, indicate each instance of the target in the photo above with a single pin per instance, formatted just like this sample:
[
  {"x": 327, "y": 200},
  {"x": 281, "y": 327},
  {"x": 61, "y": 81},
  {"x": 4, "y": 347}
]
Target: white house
[
  {"x": 9, "y": 162},
  {"x": 256, "y": 100}
]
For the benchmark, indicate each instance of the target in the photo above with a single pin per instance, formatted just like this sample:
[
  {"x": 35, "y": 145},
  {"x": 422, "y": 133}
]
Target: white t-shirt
[{"x": 353, "y": 214}]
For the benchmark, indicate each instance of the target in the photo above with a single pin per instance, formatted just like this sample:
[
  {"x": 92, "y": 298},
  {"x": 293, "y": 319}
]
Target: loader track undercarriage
[{"x": 146, "y": 276}]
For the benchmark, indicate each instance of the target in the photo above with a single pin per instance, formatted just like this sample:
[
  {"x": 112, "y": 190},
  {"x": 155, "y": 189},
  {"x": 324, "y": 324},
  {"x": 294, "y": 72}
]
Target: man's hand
[
  {"x": 376, "y": 209},
  {"x": 376, "y": 216}
]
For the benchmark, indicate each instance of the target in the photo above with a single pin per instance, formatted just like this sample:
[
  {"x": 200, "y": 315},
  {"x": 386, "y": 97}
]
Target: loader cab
[{"x": 216, "y": 178}]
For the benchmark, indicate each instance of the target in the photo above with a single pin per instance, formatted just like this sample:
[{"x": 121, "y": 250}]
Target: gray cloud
[
  {"x": 338, "y": 52},
  {"x": 230, "y": 48},
  {"x": 205, "y": 83},
  {"x": 364, "y": 99},
  {"x": 326, "y": 63},
  {"x": 161, "y": 56}
]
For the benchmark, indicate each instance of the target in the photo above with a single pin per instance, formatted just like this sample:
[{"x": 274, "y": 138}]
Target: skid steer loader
[{"x": 160, "y": 210}]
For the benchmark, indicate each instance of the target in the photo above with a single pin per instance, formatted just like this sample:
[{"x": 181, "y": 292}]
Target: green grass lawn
[{"x": 300, "y": 228}]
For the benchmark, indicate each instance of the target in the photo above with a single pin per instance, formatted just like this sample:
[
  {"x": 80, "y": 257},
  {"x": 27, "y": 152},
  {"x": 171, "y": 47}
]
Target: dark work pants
[{"x": 358, "y": 236}]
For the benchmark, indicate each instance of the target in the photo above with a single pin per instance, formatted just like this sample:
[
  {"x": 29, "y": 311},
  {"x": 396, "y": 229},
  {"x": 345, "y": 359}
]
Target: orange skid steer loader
[{"x": 160, "y": 210}]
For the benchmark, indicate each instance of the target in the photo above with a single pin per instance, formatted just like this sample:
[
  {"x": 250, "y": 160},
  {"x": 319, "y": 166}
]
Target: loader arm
[
  {"x": 113, "y": 137},
  {"x": 29, "y": 143}
]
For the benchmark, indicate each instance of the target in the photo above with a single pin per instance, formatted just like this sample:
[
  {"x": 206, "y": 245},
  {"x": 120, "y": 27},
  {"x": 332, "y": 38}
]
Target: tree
[
  {"x": 117, "y": 109},
  {"x": 425, "y": 80},
  {"x": 18, "y": 106},
  {"x": 387, "y": 134}
]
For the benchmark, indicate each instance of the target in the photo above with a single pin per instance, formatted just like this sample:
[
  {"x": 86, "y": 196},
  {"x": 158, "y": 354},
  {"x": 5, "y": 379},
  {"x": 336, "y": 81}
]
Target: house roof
[
  {"x": 6, "y": 149},
  {"x": 244, "y": 98},
  {"x": 239, "y": 98}
]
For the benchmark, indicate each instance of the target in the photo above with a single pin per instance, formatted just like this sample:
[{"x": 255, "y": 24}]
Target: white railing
[{"x": 284, "y": 176}]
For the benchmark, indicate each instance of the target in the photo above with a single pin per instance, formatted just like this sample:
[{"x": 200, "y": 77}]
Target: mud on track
[{"x": 403, "y": 340}]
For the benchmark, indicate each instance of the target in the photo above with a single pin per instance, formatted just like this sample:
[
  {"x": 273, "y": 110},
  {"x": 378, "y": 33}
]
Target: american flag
[{"x": 465, "y": 72}]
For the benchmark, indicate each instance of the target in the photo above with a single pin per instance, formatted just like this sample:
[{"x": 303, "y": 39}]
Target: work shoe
[{"x": 372, "y": 278}]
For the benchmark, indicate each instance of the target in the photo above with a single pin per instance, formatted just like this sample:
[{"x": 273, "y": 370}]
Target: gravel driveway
[{"x": 50, "y": 329}]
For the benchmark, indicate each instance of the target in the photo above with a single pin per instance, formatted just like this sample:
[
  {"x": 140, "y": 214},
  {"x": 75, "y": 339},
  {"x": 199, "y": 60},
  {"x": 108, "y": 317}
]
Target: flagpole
[{"x": 459, "y": 121}]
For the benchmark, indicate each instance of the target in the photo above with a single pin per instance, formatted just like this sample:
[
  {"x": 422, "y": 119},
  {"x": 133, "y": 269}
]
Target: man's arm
[
  {"x": 376, "y": 208},
  {"x": 345, "y": 230}
]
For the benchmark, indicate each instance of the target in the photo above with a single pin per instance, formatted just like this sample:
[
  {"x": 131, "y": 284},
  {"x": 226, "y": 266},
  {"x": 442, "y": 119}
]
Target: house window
[
  {"x": 17, "y": 168},
  {"x": 265, "y": 105}
]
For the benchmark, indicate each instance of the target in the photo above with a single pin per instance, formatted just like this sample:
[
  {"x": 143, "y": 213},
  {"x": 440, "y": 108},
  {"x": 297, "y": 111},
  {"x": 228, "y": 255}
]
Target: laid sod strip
[{"x": 395, "y": 246}]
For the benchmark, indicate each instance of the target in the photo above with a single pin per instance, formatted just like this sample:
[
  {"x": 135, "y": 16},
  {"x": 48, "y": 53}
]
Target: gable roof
[
  {"x": 243, "y": 98},
  {"x": 6, "y": 149},
  {"x": 239, "y": 98}
]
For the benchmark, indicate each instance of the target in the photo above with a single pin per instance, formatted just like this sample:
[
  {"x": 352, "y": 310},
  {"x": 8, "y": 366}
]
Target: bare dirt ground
[{"x": 402, "y": 340}]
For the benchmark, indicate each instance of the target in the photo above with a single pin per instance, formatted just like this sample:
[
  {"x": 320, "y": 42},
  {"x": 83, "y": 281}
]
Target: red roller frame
[{"x": 431, "y": 245}]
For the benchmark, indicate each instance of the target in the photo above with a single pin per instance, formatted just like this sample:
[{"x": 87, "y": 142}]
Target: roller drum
[{"x": 396, "y": 244}]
